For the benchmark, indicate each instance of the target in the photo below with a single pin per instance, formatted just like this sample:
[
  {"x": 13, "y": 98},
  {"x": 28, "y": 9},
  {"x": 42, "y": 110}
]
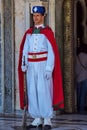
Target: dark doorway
[
  {"x": 81, "y": 45},
  {"x": 80, "y": 27}
]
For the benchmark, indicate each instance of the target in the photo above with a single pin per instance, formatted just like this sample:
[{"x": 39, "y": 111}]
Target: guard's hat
[{"x": 38, "y": 9}]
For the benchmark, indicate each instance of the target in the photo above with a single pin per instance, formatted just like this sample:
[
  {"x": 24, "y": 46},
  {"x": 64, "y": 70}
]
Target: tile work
[{"x": 62, "y": 122}]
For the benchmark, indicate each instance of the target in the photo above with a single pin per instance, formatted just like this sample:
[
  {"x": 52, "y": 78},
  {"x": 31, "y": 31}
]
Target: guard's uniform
[
  {"x": 44, "y": 79},
  {"x": 39, "y": 57}
]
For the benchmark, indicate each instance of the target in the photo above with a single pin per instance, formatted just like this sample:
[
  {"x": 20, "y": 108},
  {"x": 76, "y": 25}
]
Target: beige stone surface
[
  {"x": 19, "y": 32},
  {"x": 19, "y": 22}
]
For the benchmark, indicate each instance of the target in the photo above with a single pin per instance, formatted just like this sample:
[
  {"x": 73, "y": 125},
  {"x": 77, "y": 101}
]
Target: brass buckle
[{"x": 34, "y": 56}]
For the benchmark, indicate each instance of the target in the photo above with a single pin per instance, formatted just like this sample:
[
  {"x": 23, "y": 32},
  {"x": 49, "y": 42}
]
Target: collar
[{"x": 38, "y": 26}]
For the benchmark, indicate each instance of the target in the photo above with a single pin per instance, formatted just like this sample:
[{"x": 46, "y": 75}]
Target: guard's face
[{"x": 38, "y": 18}]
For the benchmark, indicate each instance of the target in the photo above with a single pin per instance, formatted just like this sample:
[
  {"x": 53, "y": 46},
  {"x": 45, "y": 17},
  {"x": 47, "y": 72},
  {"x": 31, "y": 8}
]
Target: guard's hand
[
  {"x": 48, "y": 74},
  {"x": 24, "y": 68}
]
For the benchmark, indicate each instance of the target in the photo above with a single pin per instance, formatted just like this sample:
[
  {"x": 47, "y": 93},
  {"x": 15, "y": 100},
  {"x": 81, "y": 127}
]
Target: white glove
[
  {"x": 24, "y": 68},
  {"x": 48, "y": 74}
]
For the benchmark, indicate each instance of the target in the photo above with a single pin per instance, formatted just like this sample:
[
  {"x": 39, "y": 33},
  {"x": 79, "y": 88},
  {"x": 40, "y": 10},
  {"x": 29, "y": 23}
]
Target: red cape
[{"x": 58, "y": 98}]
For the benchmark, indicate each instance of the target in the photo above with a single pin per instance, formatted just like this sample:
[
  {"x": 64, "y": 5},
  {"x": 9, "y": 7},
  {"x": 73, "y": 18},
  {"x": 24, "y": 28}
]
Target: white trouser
[{"x": 40, "y": 91}]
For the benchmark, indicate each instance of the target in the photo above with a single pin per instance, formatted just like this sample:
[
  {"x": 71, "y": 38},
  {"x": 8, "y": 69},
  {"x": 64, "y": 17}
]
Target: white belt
[{"x": 35, "y": 56}]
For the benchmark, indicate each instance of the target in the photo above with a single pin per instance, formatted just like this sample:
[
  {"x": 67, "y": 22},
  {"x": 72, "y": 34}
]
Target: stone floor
[{"x": 62, "y": 122}]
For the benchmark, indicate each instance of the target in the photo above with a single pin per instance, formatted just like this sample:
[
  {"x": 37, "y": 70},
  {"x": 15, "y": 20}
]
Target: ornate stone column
[
  {"x": 8, "y": 57},
  {"x": 68, "y": 56}
]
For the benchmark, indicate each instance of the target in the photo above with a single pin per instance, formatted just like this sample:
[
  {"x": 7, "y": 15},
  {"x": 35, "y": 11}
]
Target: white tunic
[{"x": 39, "y": 88}]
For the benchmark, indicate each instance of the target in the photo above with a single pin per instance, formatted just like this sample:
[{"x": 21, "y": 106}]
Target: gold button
[{"x": 34, "y": 56}]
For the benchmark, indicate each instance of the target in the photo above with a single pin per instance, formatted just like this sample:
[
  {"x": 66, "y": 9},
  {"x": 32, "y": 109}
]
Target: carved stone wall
[{"x": 68, "y": 56}]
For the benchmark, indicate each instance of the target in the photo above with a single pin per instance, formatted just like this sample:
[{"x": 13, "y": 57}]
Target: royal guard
[{"x": 39, "y": 52}]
